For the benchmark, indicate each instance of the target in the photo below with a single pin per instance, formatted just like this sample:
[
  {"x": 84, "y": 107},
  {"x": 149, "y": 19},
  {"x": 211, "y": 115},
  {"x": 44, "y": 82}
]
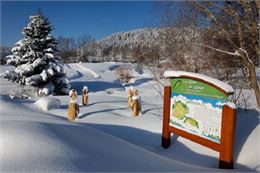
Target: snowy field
[{"x": 105, "y": 136}]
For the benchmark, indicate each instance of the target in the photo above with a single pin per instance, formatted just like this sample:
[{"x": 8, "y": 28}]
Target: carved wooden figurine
[
  {"x": 130, "y": 100},
  {"x": 73, "y": 109},
  {"x": 85, "y": 96},
  {"x": 136, "y": 103}
]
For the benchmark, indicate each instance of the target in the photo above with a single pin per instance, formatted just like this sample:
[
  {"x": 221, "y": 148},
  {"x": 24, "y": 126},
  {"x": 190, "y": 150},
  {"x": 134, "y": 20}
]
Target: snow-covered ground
[{"x": 106, "y": 137}]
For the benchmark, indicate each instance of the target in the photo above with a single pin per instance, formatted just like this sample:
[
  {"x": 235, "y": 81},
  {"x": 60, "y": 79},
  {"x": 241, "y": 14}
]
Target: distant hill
[
  {"x": 146, "y": 44},
  {"x": 120, "y": 46},
  {"x": 142, "y": 37}
]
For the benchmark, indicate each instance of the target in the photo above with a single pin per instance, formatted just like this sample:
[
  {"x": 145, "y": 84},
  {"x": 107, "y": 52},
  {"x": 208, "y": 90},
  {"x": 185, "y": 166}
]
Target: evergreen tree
[{"x": 37, "y": 59}]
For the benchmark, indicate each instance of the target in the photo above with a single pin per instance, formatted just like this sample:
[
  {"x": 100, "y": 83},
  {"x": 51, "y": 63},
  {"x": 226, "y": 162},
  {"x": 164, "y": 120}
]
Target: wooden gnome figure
[
  {"x": 85, "y": 96},
  {"x": 136, "y": 103},
  {"x": 130, "y": 100},
  {"x": 73, "y": 105}
]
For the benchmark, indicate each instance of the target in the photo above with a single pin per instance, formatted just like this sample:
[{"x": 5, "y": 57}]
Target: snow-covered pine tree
[{"x": 37, "y": 59}]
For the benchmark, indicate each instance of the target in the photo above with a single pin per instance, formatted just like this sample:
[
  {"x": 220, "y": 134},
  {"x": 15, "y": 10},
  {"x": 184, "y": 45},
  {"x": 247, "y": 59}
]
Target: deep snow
[{"x": 106, "y": 137}]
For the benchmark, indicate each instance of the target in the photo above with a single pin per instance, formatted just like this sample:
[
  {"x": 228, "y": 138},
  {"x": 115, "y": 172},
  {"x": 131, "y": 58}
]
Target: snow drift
[{"x": 48, "y": 103}]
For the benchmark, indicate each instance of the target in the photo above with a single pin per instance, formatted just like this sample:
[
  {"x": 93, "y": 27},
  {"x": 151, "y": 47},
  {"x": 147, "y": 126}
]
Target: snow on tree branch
[{"x": 37, "y": 60}]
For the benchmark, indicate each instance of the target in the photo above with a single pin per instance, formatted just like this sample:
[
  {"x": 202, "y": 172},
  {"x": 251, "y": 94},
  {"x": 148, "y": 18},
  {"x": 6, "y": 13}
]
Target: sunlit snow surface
[{"x": 105, "y": 136}]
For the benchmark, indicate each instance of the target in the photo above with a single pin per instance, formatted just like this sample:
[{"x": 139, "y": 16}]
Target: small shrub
[{"x": 124, "y": 74}]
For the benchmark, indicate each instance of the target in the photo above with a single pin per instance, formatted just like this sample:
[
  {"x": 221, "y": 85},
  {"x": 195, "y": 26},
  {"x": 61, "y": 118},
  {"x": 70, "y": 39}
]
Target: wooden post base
[
  {"x": 226, "y": 165},
  {"x": 166, "y": 142}
]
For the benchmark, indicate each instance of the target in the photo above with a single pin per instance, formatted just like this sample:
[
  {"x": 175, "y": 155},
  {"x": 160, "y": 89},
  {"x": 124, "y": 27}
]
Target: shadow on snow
[
  {"x": 152, "y": 142},
  {"x": 139, "y": 82},
  {"x": 247, "y": 121},
  {"x": 94, "y": 86}
]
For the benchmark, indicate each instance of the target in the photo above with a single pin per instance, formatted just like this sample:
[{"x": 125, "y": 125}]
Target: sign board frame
[{"x": 228, "y": 122}]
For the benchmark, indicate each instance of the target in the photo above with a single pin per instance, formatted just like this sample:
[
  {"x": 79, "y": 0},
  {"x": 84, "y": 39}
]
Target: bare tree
[
  {"x": 238, "y": 23},
  {"x": 232, "y": 25},
  {"x": 67, "y": 47},
  {"x": 83, "y": 40},
  {"x": 178, "y": 34},
  {"x": 82, "y": 49},
  {"x": 137, "y": 55}
]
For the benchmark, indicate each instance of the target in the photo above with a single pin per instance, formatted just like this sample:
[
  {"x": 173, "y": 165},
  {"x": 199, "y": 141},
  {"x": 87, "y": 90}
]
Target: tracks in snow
[{"x": 82, "y": 72}]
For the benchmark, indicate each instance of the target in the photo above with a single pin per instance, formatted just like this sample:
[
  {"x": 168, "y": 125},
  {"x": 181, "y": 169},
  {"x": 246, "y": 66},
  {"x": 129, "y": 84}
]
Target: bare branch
[
  {"x": 218, "y": 50},
  {"x": 215, "y": 21}
]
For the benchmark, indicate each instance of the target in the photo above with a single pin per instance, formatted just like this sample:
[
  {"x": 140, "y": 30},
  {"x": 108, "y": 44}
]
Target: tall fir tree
[{"x": 37, "y": 59}]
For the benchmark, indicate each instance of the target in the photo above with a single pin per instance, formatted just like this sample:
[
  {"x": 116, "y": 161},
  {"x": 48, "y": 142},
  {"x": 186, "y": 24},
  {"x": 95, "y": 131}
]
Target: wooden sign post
[{"x": 196, "y": 107}]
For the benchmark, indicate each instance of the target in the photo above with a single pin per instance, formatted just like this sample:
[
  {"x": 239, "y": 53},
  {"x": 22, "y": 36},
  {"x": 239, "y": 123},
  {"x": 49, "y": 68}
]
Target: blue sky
[{"x": 72, "y": 19}]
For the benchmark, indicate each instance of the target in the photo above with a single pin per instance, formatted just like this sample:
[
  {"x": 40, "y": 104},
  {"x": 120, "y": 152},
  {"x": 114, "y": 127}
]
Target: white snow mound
[{"x": 48, "y": 103}]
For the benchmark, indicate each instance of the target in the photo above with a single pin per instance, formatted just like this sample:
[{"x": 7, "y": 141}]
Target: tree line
[{"x": 70, "y": 47}]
